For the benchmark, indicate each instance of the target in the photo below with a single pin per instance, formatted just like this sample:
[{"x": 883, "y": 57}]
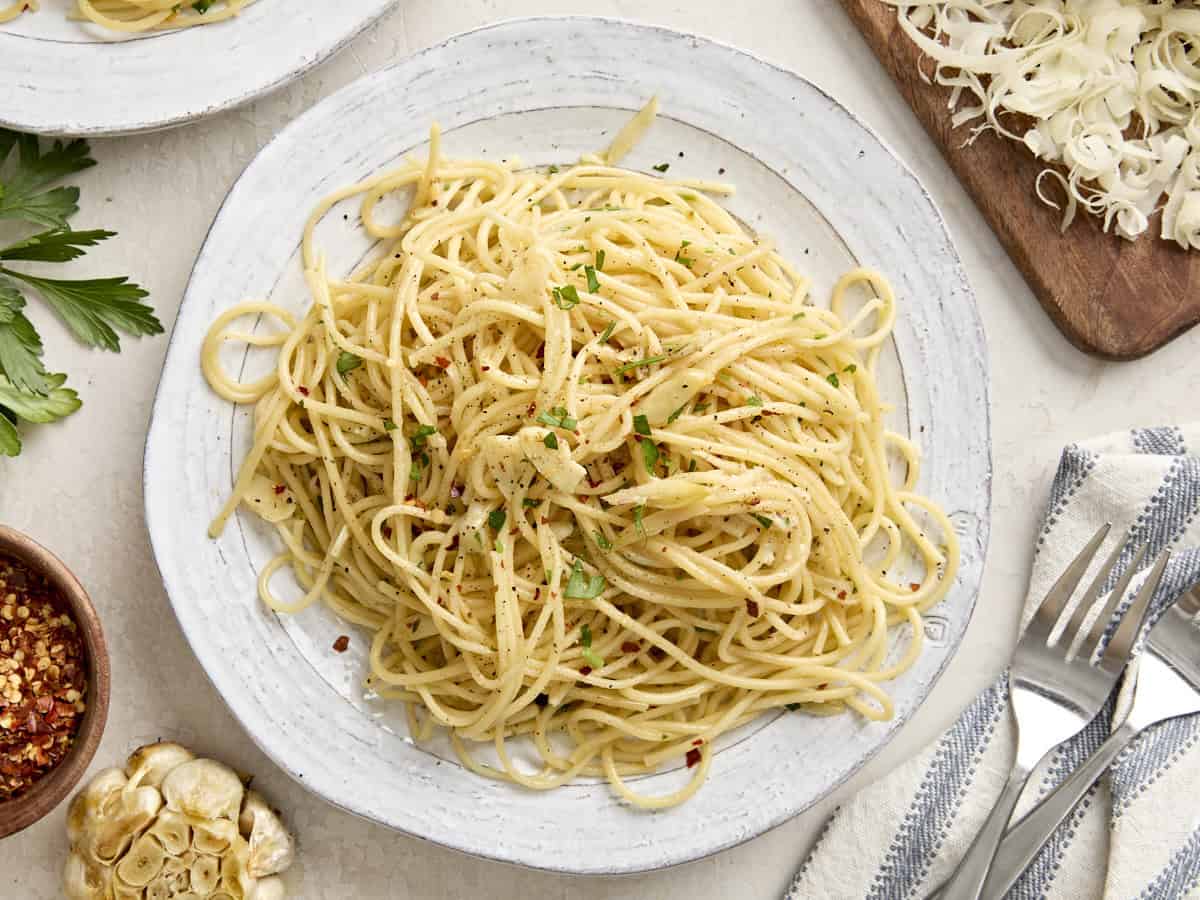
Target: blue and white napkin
[{"x": 1137, "y": 834}]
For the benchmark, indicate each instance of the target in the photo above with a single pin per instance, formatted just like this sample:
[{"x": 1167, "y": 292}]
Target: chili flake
[
  {"x": 42, "y": 678},
  {"x": 693, "y": 757},
  {"x": 343, "y": 642}
]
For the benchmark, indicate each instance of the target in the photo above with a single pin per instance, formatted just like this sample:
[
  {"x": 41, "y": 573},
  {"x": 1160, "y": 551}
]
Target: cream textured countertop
[{"x": 77, "y": 487}]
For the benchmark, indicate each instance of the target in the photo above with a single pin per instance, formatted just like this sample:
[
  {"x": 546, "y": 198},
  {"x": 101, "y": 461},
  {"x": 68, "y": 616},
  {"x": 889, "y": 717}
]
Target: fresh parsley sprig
[{"x": 94, "y": 309}]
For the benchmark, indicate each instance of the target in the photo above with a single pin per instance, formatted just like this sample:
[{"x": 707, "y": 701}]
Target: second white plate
[
  {"x": 547, "y": 90},
  {"x": 61, "y": 76}
]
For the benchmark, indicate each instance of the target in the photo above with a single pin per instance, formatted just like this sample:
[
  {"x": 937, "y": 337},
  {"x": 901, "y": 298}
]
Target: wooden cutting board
[{"x": 1115, "y": 298}]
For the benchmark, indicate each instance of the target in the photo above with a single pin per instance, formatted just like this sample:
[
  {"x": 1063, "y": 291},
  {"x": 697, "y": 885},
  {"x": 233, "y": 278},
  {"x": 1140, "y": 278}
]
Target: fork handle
[
  {"x": 969, "y": 878},
  {"x": 1024, "y": 840}
]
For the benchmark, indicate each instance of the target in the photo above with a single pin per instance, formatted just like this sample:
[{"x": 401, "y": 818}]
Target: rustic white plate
[
  {"x": 59, "y": 76},
  {"x": 547, "y": 90}
]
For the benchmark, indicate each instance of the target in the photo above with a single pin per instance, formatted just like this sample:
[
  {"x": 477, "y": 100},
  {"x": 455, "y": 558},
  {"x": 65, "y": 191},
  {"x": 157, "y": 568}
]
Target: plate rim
[
  {"x": 65, "y": 122},
  {"x": 978, "y": 348}
]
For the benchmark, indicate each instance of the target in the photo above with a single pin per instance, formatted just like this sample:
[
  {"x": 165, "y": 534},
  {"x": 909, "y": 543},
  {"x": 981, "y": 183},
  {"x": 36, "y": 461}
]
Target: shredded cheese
[{"x": 1106, "y": 91}]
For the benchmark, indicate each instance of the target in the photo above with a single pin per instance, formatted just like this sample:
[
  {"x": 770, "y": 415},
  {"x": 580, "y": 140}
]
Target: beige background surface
[{"x": 77, "y": 488}]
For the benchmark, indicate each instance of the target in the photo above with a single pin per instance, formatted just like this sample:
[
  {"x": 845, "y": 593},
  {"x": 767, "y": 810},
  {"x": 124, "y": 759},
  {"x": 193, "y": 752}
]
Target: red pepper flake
[
  {"x": 658, "y": 653},
  {"x": 532, "y": 409},
  {"x": 693, "y": 757},
  {"x": 841, "y": 595},
  {"x": 434, "y": 296},
  {"x": 913, "y": 586},
  {"x": 631, "y": 647},
  {"x": 303, "y": 390},
  {"x": 442, "y": 362},
  {"x": 485, "y": 368},
  {"x": 537, "y": 593},
  {"x": 42, "y": 678},
  {"x": 752, "y": 608},
  {"x": 280, "y": 488},
  {"x": 585, "y": 670},
  {"x": 343, "y": 642},
  {"x": 592, "y": 482},
  {"x": 698, "y": 742}
]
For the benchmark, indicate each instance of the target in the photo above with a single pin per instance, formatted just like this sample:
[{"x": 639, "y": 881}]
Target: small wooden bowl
[{"x": 46, "y": 794}]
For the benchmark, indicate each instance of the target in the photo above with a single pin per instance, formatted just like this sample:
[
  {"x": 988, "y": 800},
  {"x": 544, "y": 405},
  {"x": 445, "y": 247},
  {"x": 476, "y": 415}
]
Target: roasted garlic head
[{"x": 170, "y": 826}]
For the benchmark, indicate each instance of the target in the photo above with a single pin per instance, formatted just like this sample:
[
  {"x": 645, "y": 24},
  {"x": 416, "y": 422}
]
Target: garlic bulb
[
  {"x": 171, "y": 826},
  {"x": 1108, "y": 91}
]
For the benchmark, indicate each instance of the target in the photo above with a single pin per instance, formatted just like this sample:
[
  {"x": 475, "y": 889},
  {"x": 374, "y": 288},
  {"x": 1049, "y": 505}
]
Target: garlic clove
[
  {"x": 215, "y": 837},
  {"x": 142, "y": 863},
  {"x": 126, "y": 891},
  {"x": 173, "y": 832},
  {"x": 235, "y": 879},
  {"x": 90, "y": 802},
  {"x": 204, "y": 788},
  {"x": 124, "y": 820},
  {"x": 271, "y": 847},
  {"x": 150, "y": 765},
  {"x": 205, "y": 874},
  {"x": 83, "y": 880}
]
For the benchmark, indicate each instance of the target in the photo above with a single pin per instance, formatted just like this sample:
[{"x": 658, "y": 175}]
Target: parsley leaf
[
  {"x": 592, "y": 280},
  {"x": 57, "y": 404},
  {"x": 641, "y": 425},
  {"x": 389, "y": 425},
  {"x": 607, "y": 332},
  {"x": 20, "y": 346},
  {"x": 557, "y": 417},
  {"x": 638, "y": 513},
  {"x": 763, "y": 520},
  {"x": 347, "y": 362},
  {"x": 675, "y": 415},
  {"x": 496, "y": 519},
  {"x": 202, "y": 6},
  {"x": 550, "y": 440},
  {"x": 60, "y": 245},
  {"x": 602, "y": 542},
  {"x": 661, "y": 167},
  {"x": 754, "y": 401},
  {"x": 599, "y": 260},
  {"x": 23, "y": 197},
  {"x": 94, "y": 307},
  {"x": 833, "y": 379}
]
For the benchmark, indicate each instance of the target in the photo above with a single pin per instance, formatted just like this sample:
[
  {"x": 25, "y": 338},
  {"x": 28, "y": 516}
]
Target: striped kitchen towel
[{"x": 1137, "y": 834}]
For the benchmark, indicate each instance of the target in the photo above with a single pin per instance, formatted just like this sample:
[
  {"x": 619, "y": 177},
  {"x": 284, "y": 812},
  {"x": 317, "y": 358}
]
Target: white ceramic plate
[
  {"x": 547, "y": 90},
  {"x": 60, "y": 76}
]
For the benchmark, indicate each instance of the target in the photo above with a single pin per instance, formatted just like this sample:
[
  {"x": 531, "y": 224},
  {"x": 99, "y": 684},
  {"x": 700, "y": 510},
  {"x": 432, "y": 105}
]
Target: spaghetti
[{"x": 579, "y": 452}]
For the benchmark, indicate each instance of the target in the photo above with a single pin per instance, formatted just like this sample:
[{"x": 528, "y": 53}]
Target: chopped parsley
[
  {"x": 699, "y": 409},
  {"x": 641, "y": 425},
  {"x": 763, "y": 520},
  {"x": 566, "y": 297},
  {"x": 680, "y": 258},
  {"x": 638, "y": 513},
  {"x": 347, "y": 362},
  {"x": 550, "y": 440},
  {"x": 389, "y": 425},
  {"x": 607, "y": 332},
  {"x": 754, "y": 401},
  {"x": 496, "y": 519},
  {"x": 650, "y": 455},
  {"x": 599, "y": 260},
  {"x": 581, "y": 586},
  {"x": 592, "y": 280},
  {"x": 552, "y": 170},
  {"x": 833, "y": 379},
  {"x": 798, "y": 315},
  {"x": 638, "y": 363},
  {"x": 498, "y": 546},
  {"x": 852, "y": 368},
  {"x": 661, "y": 167},
  {"x": 602, "y": 542},
  {"x": 530, "y": 503},
  {"x": 420, "y": 437},
  {"x": 590, "y": 656},
  {"x": 675, "y": 415},
  {"x": 557, "y": 417}
]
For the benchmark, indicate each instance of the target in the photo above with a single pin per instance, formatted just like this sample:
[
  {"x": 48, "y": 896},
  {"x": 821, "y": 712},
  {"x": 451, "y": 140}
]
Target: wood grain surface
[{"x": 1111, "y": 297}]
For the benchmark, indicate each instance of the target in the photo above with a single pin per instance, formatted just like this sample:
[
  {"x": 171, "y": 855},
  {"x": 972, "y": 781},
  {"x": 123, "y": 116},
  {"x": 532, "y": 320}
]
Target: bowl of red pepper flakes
[{"x": 54, "y": 681}]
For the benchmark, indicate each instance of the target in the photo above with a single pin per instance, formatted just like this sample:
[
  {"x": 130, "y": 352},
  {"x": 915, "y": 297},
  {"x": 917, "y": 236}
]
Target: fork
[
  {"x": 1053, "y": 693},
  {"x": 1168, "y": 686}
]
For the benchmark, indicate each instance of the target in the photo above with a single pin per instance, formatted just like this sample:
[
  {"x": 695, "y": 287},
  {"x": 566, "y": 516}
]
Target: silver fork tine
[
  {"x": 1093, "y": 591},
  {"x": 1057, "y": 596},
  {"x": 1127, "y": 632},
  {"x": 1100, "y": 625}
]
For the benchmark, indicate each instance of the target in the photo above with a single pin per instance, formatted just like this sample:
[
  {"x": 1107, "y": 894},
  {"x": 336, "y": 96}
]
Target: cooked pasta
[
  {"x": 134, "y": 16},
  {"x": 581, "y": 454}
]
